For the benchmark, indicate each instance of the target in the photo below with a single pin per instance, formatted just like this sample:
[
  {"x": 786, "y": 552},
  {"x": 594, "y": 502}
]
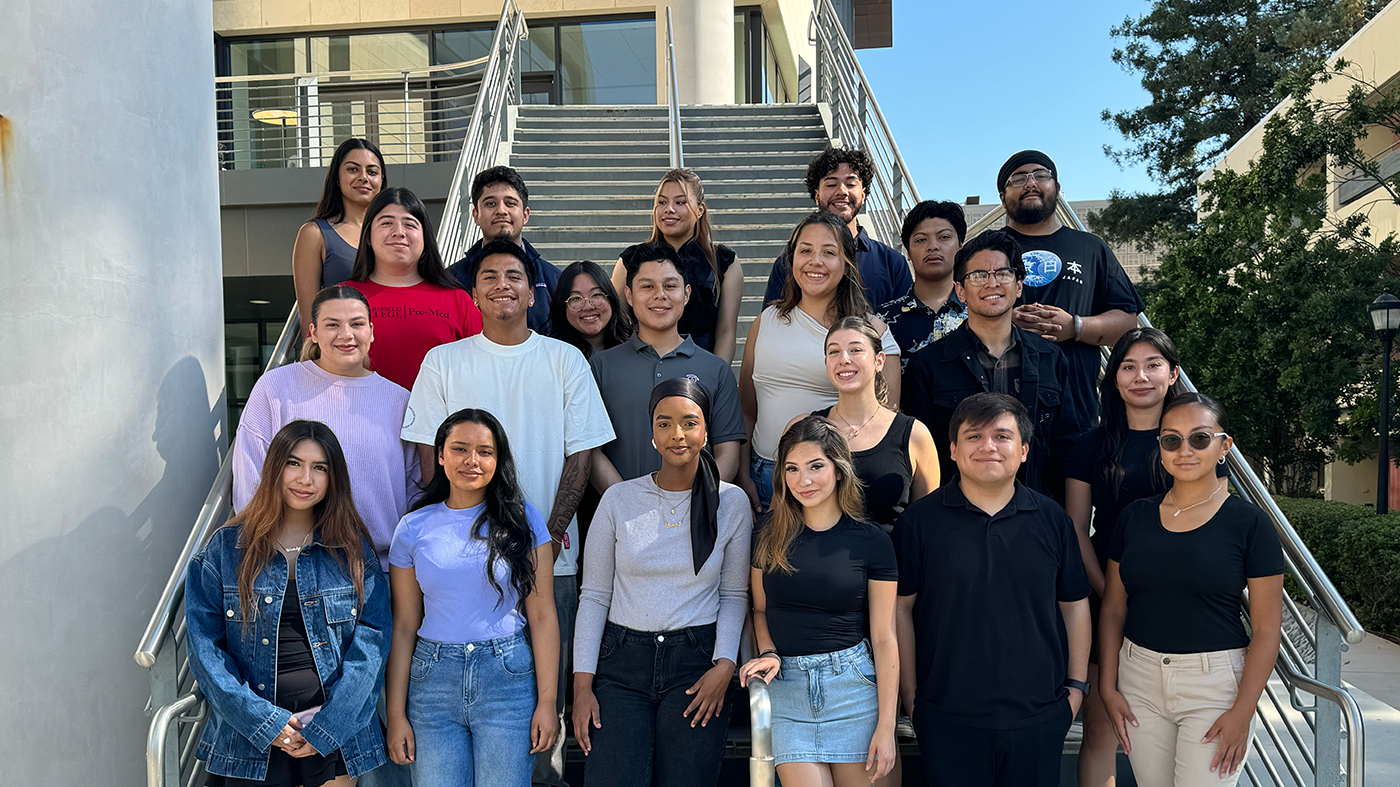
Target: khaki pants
[{"x": 1176, "y": 697}]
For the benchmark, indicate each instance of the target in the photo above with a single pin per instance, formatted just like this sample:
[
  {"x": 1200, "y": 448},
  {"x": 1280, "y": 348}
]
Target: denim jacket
[{"x": 237, "y": 670}]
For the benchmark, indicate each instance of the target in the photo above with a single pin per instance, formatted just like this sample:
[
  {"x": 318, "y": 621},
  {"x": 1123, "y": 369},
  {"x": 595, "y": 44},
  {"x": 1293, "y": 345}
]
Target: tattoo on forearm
[{"x": 571, "y": 485}]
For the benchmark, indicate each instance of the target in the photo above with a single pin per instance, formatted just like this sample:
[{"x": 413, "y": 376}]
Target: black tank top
[
  {"x": 886, "y": 472},
  {"x": 298, "y": 683}
]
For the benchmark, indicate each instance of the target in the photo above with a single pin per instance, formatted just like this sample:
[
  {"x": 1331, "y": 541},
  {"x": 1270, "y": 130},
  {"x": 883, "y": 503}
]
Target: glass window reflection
[{"x": 608, "y": 62}]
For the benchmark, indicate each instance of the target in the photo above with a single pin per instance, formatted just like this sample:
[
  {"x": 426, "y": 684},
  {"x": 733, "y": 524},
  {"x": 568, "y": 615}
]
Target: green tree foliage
[
  {"x": 1359, "y": 551},
  {"x": 1266, "y": 296},
  {"x": 1213, "y": 70}
]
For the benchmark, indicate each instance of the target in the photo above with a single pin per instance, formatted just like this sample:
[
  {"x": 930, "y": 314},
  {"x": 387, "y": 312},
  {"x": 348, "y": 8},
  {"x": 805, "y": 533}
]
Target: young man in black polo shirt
[
  {"x": 838, "y": 180},
  {"x": 989, "y": 353},
  {"x": 501, "y": 208},
  {"x": 1077, "y": 294},
  {"x": 993, "y": 612},
  {"x": 657, "y": 291},
  {"x": 932, "y": 234}
]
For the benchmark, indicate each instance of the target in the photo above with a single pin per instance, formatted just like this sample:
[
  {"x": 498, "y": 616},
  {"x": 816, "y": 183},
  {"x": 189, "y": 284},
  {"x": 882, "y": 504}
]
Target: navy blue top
[
  {"x": 991, "y": 649},
  {"x": 546, "y": 280},
  {"x": 339, "y": 260},
  {"x": 883, "y": 271}
]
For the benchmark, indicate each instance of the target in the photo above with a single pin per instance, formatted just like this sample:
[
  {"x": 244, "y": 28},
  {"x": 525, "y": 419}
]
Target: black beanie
[{"x": 1020, "y": 160}]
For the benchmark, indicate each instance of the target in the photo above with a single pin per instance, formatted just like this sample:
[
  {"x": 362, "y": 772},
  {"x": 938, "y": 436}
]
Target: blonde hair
[
  {"x": 703, "y": 235},
  {"x": 862, "y": 326},
  {"x": 770, "y": 553}
]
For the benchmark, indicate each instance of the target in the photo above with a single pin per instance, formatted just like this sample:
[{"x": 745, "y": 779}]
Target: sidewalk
[{"x": 1372, "y": 670}]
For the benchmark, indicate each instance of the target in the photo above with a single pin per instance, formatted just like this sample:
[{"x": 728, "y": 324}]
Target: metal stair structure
[{"x": 592, "y": 173}]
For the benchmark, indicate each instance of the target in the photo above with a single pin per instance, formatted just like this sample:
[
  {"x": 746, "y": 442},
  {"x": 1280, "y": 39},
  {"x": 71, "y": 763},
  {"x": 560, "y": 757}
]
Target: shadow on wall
[{"x": 76, "y": 603}]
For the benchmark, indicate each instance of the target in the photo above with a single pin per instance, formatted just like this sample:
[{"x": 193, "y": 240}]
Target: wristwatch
[{"x": 1082, "y": 685}]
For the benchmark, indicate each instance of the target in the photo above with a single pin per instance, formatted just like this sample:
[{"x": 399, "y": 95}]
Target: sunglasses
[{"x": 1199, "y": 441}]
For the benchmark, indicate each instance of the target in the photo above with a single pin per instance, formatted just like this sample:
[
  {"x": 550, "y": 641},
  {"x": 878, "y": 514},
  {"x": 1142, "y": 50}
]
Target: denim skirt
[{"x": 825, "y": 707}]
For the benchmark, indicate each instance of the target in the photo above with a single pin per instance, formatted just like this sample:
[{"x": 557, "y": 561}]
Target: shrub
[{"x": 1360, "y": 553}]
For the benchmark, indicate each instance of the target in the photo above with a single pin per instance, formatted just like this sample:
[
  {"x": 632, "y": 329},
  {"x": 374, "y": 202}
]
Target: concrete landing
[{"x": 1372, "y": 671}]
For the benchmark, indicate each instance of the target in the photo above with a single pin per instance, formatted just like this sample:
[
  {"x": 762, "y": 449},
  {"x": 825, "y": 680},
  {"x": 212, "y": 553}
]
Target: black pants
[
  {"x": 640, "y": 685},
  {"x": 955, "y": 755}
]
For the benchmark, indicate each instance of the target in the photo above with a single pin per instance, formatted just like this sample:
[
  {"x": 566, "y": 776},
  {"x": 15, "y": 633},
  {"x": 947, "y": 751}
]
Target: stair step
[
  {"x": 638, "y": 145},
  {"x": 604, "y": 217},
  {"x": 542, "y": 172},
  {"x": 594, "y": 182},
  {"x": 718, "y": 203}
]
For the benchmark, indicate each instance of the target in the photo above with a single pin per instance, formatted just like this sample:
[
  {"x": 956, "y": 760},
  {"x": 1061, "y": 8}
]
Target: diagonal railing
[
  {"x": 857, "y": 122},
  {"x": 178, "y": 710}
]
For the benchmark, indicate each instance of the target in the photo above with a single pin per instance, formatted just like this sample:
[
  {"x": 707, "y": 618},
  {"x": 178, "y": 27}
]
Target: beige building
[{"x": 1373, "y": 55}]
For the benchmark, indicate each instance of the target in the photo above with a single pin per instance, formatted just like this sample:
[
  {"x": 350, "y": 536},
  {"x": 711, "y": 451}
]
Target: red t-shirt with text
[{"x": 410, "y": 321}]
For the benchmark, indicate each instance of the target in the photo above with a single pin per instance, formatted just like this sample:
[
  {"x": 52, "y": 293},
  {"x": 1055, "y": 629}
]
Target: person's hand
[
  {"x": 1231, "y": 731},
  {"x": 544, "y": 727},
  {"x": 289, "y": 739},
  {"x": 1076, "y": 701},
  {"x": 399, "y": 739},
  {"x": 304, "y": 750},
  {"x": 906, "y": 701},
  {"x": 708, "y": 693},
  {"x": 1051, "y": 322},
  {"x": 880, "y": 760},
  {"x": 586, "y": 716},
  {"x": 1120, "y": 714},
  {"x": 745, "y": 482},
  {"x": 764, "y": 667}
]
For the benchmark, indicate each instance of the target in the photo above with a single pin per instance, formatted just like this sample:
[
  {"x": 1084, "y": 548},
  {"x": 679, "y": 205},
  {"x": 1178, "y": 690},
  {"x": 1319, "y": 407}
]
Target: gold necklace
[
  {"x": 664, "y": 519},
  {"x": 855, "y": 430},
  {"x": 1179, "y": 509},
  {"x": 306, "y": 542}
]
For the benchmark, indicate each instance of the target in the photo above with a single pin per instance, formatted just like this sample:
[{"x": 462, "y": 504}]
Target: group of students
[{"x": 949, "y": 524}]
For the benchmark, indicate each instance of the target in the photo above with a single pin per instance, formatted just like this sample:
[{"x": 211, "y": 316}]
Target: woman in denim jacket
[{"x": 288, "y": 616}]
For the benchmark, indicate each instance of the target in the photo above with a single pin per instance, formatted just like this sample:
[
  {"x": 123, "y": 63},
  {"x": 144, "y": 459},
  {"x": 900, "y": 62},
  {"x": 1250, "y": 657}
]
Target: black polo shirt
[{"x": 990, "y": 644}]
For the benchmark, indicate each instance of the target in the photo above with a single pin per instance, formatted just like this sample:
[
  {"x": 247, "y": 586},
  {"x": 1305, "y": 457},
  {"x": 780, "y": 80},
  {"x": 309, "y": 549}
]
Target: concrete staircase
[{"x": 592, "y": 172}]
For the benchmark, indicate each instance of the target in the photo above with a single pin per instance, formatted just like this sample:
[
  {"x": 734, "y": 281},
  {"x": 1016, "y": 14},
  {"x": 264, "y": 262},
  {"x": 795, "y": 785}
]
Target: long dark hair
[
  {"x": 704, "y": 489},
  {"x": 1113, "y": 412},
  {"x": 342, "y": 531},
  {"x": 850, "y": 292},
  {"x": 502, "y": 525},
  {"x": 430, "y": 266},
  {"x": 332, "y": 204},
  {"x": 618, "y": 329}
]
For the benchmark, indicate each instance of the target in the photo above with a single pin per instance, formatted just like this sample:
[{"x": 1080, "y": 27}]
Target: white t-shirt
[{"x": 542, "y": 393}]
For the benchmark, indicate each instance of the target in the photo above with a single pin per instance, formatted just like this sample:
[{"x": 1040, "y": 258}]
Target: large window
[{"x": 757, "y": 78}]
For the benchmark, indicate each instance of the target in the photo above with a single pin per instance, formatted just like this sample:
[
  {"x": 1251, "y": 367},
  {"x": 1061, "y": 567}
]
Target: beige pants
[{"x": 1176, "y": 697}]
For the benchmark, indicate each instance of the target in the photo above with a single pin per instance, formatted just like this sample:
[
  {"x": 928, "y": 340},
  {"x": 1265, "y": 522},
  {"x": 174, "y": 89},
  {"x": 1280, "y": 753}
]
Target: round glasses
[
  {"x": 1199, "y": 441},
  {"x": 577, "y": 302}
]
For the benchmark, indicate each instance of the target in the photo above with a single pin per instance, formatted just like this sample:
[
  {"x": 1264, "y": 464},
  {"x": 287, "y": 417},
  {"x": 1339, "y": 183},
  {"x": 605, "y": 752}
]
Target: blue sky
[{"x": 969, "y": 83}]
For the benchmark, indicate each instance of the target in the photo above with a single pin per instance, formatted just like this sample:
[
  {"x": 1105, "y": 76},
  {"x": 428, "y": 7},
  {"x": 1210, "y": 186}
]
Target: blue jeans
[
  {"x": 761, "y": 471},
  {"x": 549, "y": 765},
  {"x": 470, "y": 706},
  {"x": 640, "y": 685}
]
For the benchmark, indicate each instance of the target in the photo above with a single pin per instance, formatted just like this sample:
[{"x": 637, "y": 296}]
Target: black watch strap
[{"x": 1082, "y": 685}]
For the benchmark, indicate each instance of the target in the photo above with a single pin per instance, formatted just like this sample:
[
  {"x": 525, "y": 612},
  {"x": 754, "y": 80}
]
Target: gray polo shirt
[{"x": 627, "y": 373}]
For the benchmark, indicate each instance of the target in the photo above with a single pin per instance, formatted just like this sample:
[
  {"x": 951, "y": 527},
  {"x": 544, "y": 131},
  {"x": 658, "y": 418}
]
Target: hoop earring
[{"x": 1222, "y": 459}]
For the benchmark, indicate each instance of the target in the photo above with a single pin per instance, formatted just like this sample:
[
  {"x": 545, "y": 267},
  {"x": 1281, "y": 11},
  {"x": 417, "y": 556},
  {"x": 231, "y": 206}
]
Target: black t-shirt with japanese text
[{"x": 1076, "y": 271}]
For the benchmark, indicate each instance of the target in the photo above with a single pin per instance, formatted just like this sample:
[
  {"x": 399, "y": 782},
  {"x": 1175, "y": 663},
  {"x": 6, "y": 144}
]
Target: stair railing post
[
  {"x": 860, "y": 115},
  {"x": 165, "y": 676},
  {"x": 1328, "y": 669}
]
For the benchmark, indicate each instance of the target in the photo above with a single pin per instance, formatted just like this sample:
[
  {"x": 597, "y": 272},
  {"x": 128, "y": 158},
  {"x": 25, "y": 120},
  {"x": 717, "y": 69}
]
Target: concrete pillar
[
  {"x": 704, "y": 49},
  {"x": 111, "y": 364}
]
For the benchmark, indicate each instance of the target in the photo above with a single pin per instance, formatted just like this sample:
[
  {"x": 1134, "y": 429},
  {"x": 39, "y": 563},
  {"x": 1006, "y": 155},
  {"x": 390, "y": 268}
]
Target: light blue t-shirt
[{"x": 442, "y": 545}]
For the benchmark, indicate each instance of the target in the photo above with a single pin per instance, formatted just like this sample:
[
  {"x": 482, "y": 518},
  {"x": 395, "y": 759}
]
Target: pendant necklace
[
  {"x": 665, "y": 519},
  {"x": 293, "y": 550},
  {"x": 1179, "y": 509},
  {"x": 855, "y": 430}
]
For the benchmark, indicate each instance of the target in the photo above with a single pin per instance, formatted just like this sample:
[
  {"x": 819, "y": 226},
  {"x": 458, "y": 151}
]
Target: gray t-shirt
[
  {"x": 627, "y": 373},
  {"x": 639, "y": 571}
]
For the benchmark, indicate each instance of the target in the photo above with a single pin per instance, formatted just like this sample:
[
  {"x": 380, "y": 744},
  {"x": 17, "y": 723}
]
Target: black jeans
[
  {"x": 955, "y": 755},
  {"x": 640, "y": 685}
]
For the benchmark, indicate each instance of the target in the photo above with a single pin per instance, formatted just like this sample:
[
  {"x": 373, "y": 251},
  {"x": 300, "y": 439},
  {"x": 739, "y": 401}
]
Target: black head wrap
[
  {"x": 1021, "y": 159},
  {"x": 704, "y": 493}
]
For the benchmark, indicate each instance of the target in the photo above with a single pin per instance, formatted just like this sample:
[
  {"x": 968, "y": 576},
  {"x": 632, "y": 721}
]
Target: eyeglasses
[
  {"x": 577, "y": 302},
  {"x": 979, "y": 278},
  {"x": 1020, "y": 178},
  {"x": 1199, "y": 441}
]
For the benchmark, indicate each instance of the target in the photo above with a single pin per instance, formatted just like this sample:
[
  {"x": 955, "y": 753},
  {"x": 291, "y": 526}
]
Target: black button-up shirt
[
  {"x": 915, "y": 326},
  {"x": 991, "y": 650}
]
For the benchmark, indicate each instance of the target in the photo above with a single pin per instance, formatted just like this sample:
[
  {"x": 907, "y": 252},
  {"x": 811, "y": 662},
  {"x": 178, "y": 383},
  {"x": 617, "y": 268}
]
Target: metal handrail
[
  {"x": 211, "y": 516},
  {"x": 762, "y": 770},
  {"x": 499, "y": 89},
  {"x": 673, "y": 101},
  {"x": 857, "y": 121},
  {"x": 159, "y": 732}
]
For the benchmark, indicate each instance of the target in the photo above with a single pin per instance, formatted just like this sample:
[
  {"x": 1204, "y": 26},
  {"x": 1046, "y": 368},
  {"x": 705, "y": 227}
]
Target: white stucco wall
[{"x": 111, "y": 364}]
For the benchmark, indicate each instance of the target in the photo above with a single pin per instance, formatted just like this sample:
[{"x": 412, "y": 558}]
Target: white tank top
[{"x": 789, "y": 373}]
